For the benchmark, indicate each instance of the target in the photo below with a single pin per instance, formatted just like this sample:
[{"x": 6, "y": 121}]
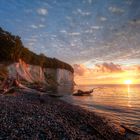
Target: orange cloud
[
  {"x": 108, "y": 67},
  {"x": 79, "y": 69},
  {"x": 134, "y": 68},
  {"x": 137, "y": 67},
  {"x": 106, "y": 73},
  {"x": 105, "y": 67}
]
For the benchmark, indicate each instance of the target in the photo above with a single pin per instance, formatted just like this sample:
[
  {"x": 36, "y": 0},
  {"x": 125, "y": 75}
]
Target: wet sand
[{"x": 29, "y": 116}]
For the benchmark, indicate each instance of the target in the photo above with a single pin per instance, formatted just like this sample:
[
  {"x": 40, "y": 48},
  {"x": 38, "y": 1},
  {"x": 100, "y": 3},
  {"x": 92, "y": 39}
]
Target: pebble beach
[{"x": 40, "y": 117}]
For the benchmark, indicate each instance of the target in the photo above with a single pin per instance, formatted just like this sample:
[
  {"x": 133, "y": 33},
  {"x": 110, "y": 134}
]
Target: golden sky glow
[{"x": 107, "y": 74}]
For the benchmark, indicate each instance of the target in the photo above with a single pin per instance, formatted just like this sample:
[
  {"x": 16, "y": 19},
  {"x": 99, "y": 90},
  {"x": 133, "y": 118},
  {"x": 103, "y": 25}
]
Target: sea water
[{"x": 120, "y": 103}]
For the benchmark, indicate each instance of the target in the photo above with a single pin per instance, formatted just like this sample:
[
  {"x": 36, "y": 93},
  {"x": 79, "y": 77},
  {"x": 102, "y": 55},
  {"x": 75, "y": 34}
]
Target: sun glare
[{"x": 128, "y": 81}]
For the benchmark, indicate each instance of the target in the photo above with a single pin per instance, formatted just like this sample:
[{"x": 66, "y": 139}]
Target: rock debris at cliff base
[{"x": 33, "y": 117}]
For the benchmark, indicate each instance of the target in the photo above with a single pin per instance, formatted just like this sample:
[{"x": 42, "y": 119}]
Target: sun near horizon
[
  {"x": 128, "y": 81},
  {"x": 98, "y": 76}
]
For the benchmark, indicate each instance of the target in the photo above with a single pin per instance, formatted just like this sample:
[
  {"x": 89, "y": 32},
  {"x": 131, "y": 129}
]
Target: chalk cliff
[
  {"x": 34, "y": 73},
  {"x": 21, "y": 63}
]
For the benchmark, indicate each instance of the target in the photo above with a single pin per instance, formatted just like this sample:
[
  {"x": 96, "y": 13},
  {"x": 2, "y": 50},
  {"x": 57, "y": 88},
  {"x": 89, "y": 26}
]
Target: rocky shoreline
[{"x": 30, "y": 116}]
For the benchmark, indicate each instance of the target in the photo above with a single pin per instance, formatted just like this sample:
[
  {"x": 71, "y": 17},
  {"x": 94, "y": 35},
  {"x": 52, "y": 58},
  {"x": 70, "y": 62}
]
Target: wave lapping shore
[{"x": 39, "y": 117}]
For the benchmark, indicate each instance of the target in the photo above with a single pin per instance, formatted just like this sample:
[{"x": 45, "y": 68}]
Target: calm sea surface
[{"x": 121, "y": 103}]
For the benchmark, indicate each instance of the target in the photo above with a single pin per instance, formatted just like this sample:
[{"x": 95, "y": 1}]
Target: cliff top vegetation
[{"x": 12, "y": 49}]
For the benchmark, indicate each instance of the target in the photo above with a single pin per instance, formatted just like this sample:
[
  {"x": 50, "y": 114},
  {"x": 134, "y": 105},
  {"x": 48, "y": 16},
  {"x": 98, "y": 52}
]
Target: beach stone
[{"x": 23, "y": 117}]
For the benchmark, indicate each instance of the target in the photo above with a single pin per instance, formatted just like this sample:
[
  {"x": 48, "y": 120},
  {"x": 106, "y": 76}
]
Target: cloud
[
  {"x": 74, "y": 33},
  {"x": 70, "y": 33},
  {"x": 82, "y": 13},
  {"x": 31, "y": 39},
  {"x": 128, "y": 2},
  {"x": 87, "y": 1},
  {"x": 138, "y": 69},
  {"x": 30, "y": 44},
  {"x": 68, "y": 18},
  {"x": 90, "y": 1},
  {"x": 135, "y": 22},
  {"x": 37, "y": 26},
  {"x": 92, "y": 29},
  {"x": 103, "y": 18},
  {"x": 82, "y": 70},
  {"x": 116, "y": 10},
  {"x": 108, "y": 67},
  {"x": 42, "y": 11},
  {"x": 41, "y": 25},
  {"x": 63, "y": 31},
  {"x": 33, "y": 26},
  {"x": 135, "y": 68},
  {"x": 79, "y": 69},
  {"x": 96, "y": 27},
  {"x": 88, "y": 31}
]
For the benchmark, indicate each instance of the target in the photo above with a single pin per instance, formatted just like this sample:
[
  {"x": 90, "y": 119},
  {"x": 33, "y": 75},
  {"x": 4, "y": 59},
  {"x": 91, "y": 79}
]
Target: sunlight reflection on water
[{"x": 118, "y": 102}]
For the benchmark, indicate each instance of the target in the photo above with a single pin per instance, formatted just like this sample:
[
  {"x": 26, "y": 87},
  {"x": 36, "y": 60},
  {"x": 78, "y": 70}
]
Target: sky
[{"x": 99, "y": 38}]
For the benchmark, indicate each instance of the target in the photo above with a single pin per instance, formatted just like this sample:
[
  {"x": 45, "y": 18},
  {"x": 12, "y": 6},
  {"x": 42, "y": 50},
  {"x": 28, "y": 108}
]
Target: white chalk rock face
[
  {"x": 30, "y": 73},
  {"x": 64, "y": 77},
  {"x": 33, "y": 73}
]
